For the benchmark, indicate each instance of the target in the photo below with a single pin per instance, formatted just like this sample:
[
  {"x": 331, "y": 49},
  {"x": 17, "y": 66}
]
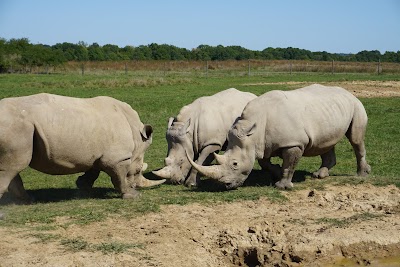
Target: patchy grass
[
  {"x": 158, "y": 98},
  {"x": 344, "y": 222},
  {"x": 113, "y": 247}
]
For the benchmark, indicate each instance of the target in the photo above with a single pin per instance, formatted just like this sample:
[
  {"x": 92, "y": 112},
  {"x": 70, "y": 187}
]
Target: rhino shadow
[
  {"x": 256, "y": 178},
  {"x": 264, "y": 178},
  {"x": 53, "y": 195}
]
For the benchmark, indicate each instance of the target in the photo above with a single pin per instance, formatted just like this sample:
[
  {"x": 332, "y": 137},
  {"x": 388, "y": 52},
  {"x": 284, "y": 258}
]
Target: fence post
[
  {"x": 206, "y": 68},
  {"x": 379, "y": 66},
  {"x": 290, "y": 67},
  {"x": 332, "y": 67},
  {"x": 126, "y": 68},
  {"x": 249, "y": 67},
  {"x": 83, "y": 69}
]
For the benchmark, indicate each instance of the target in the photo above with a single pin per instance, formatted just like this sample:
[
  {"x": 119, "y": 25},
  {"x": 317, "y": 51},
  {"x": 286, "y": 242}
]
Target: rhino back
[
  {"x": 71, "y": 134},
  {"x": 212, "y": 116},
  {"x": 314, "y": 117}
]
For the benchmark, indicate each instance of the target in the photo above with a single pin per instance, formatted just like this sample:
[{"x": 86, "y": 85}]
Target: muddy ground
[
  {"x": 338, "y": 226},
  {"x": 354, "y": 225}
]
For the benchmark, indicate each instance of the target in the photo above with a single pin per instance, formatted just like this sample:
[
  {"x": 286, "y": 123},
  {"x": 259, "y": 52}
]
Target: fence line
[{"x": 213, "y": 68}]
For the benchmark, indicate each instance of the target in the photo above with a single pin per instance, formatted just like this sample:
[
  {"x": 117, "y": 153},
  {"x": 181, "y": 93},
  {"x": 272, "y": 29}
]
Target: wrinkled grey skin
[
  {"x": 200, "y": 129},
  {"x": 290, "y": 124},
  {"x": 64, "y": 135}
]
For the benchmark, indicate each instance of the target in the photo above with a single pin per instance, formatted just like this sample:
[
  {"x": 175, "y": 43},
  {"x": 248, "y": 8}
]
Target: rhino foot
[
  {"x": 284, "y": 184},
  {"x": 192, "y": 182},
  {"x": 131, "y": 195},
  {"x": 365, "y": 170},
  {"x": 321, "y": 173}
]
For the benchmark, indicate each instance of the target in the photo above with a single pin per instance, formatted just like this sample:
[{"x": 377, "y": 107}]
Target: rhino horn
[
  {"x": 214, "y": 172},
  {"x": 163, "y": 173},
  {"x": 142, "y": 182},
  {"x": 219, "y": 158},
  {"x": 144, "y": 167}
]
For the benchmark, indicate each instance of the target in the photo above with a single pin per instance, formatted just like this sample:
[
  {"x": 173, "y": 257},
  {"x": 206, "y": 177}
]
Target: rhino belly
[
  {"x": 322, "y": 143},
  {"x": 63, "y": 156}
]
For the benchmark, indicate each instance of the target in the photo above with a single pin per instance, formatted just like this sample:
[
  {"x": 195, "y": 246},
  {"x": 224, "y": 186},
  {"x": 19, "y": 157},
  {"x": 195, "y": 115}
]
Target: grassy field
[{"x": 158, "y": 98}]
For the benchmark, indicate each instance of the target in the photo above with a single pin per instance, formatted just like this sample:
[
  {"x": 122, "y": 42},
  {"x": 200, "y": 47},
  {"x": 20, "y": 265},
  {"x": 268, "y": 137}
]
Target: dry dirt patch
[
  {"x": 368, "y": 89},
  {"x": 352, "y": 224}
]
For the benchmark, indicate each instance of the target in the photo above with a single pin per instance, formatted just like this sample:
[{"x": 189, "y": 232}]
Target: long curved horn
[
  {"x": 142, "y": 182},
  {"x": 214, "y": 172},
  {"x": 163, "y": 173}
]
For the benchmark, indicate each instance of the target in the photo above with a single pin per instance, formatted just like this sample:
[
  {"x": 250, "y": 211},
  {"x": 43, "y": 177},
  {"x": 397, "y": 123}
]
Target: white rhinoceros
[
  {"x": 290, "y": 124},
  {"x": 200, "y": 128},
  {"x": 64, "y": 135}
]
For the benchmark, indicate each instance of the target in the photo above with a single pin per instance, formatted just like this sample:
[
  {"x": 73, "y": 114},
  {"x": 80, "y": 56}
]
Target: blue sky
[{"x": 336, "y": 26}]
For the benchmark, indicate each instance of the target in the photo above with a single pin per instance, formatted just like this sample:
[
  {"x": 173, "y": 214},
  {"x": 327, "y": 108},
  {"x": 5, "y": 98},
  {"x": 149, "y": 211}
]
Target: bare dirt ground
[
  {"x": 367, "y": 89},
  {"x": 339, "y": 226}
]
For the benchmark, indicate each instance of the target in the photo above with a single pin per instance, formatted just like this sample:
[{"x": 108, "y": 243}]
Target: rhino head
[
  {"x": 235, "y": 165},
  {"x": 177, "y": 166}
]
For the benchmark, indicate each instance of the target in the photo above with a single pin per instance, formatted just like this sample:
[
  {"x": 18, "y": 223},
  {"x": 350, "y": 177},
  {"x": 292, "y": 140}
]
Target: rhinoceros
[
  {"x": 64, "y": 135},
  {"x": 200, "y": 128},
  {"x": 308, "y": 121}
]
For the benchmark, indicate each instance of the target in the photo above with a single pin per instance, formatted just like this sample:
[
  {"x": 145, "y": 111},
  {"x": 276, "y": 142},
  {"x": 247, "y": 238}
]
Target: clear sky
[{"x": 335, "y": 26}]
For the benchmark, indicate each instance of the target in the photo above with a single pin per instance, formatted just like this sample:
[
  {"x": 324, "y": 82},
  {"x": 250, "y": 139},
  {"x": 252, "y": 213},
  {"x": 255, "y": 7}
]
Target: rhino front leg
[
  {"x": 85, "y": 182},
  {"x": 205, "y": 158},
  {"x": 328, "y": 161},
  {"x": 291, "y": 157},
  {"x": 275, "y": 169},
  {"x": 119, "y": 174}
]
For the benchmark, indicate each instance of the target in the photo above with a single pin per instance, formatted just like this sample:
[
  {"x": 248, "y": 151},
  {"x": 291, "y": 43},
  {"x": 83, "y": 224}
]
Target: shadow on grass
[
  {"x": 52, "y": 195},
  {"x": 256, "y": 178}
]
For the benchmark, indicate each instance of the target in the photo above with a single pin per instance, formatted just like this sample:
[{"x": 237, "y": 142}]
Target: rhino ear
[
  {"x": 186, "y": 127},
  {"x": 250, "y": 130},
  {"x": 170, "y": 121},
  {"x": 147, "y": 132}
]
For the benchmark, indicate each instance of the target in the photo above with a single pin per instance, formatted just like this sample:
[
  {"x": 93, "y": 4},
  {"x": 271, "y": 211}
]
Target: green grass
[
  {"x": 344, "y": 222},
  {"x": 77, "y": 244},
  {"x": 156, "y": 99}
]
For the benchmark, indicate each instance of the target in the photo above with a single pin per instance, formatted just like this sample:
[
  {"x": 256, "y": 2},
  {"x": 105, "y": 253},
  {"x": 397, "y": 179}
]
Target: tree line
[{"x": 15, "y": 53}]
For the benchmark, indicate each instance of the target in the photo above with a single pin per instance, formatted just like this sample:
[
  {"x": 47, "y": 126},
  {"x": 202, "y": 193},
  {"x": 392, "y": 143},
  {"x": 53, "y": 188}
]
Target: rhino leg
[
  {"x": 16, "y": 147},
  {"x": 119, "y": 174},
  {"x": 291, "y": 157},
  {"x": 85, "y": 182},
  {"x": 205, "y": 158},
  {"x": 328, "y": 161},
  {"x": 356, "y": 135},
  {"x": 12, "y": 181},
  {"x": 275, "y": 169},
  {"x": 16, "y": 187},
  {"x": 363, "y": 168}
]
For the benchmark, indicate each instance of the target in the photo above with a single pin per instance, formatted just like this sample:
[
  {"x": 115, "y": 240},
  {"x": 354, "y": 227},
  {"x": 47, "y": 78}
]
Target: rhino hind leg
[
  {"x": 363, "y": 168},
  {"x": 356, "y": 135},
  {"x": 328, "y": 161},
  {"x": 291, "y": 157},
  {"x": 11, "y": 181},
  {"x": 205, "y": 158}
]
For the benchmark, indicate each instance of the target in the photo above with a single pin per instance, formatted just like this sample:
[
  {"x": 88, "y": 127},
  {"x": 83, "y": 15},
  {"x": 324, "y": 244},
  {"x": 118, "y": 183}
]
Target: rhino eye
[{"x": 235, "y": 165}]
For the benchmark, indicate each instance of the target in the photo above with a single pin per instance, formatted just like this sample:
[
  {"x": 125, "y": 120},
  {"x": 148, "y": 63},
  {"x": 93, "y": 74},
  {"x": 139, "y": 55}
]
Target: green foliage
[{"x": 18, "y": 53}]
